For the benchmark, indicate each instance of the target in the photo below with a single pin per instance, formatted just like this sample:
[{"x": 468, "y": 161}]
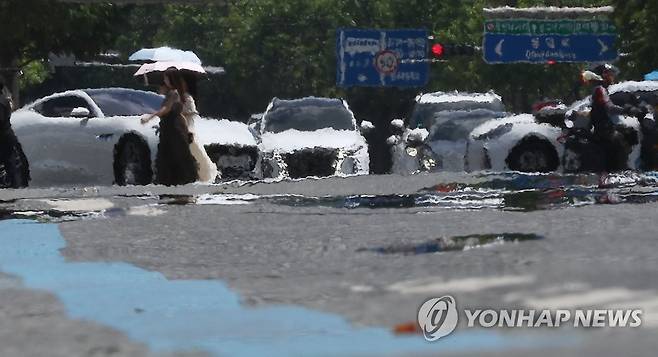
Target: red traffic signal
[
  {"x": 450, "y": 50},
  {"x": 437, "y": 50}
]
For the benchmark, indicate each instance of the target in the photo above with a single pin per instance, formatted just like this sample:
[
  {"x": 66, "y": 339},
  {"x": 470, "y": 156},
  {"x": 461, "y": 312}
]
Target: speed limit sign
[
  {"x": 386, "y": 62},
  {"x": 382, "y": 58}
]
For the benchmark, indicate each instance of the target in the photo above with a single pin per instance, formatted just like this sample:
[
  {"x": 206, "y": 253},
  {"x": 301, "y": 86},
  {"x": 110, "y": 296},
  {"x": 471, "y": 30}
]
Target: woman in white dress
[{"x": 207, "y": 170}]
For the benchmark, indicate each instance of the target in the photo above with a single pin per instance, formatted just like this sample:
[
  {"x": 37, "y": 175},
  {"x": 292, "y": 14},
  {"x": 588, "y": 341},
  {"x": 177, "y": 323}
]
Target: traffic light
[
  {"x": 437, "y": 50},
  {"x": 442, "y": 50}
]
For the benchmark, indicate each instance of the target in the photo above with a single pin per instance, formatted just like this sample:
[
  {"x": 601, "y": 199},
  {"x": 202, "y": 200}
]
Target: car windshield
[
  {"x": 459, "y": 126},
  {"x": 433, "y": 106},
  {"x": 308, "y": 114},
  {"x": 635, "y": 98},
  {"x": 621, "y": 98},
  {"x": 125, "y": 102},
  {"x": 453, "y": 121}
]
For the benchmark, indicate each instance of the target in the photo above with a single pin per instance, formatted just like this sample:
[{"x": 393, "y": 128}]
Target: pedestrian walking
[
  {"x": 15, "y": 172},
  {"x": 207, "y": 170},
  {"x": 174, "y": 163}
]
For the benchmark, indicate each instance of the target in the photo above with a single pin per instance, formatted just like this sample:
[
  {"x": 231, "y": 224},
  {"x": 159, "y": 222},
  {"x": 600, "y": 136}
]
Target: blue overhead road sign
[
  {"x": 541, "y": 49},
  {"x": 395, "y": 58},
  {"x": 548, "y": 40}
]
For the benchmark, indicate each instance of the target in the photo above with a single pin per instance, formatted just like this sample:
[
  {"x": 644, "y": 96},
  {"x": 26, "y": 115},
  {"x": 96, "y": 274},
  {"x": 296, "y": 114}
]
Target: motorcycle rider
[{"x": 616, "y": 144}]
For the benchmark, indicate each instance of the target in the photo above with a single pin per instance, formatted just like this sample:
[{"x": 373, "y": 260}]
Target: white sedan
[
  {"x": 311, "y": 137},
  {"x": 439, "y": 128},
  {"x": 94, "y": 136}
]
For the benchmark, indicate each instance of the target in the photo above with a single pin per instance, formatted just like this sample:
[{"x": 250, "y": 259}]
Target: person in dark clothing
[
  {"x": 602, "y": 106},
  {"x": 174, "y": 162},
  {"x": 14, "y": 171},
  {"x": 5, "y": 113},
  {"x": 614, "y": 143}
]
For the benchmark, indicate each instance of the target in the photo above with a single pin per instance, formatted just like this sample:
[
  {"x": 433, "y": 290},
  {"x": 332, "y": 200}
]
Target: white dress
[{"x": 207, "y": 170}]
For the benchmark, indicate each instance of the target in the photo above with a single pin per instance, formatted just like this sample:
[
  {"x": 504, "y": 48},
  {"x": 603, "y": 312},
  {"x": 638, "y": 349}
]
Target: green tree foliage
[
  {"x": 286, "y": 48},
  {"x": 35, "y": 28},
  {"x": 519, "y": 84},
  {"x": 34, "y": 73},
  {"x": 637, "y": 21},
  {"x": 137, "y": 27}
]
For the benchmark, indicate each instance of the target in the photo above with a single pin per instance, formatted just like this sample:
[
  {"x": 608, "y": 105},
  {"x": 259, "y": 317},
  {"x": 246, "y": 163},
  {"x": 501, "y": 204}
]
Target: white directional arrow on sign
[
  {"x": 499, "y": 48},
  {"x": 604, "y": 47}
]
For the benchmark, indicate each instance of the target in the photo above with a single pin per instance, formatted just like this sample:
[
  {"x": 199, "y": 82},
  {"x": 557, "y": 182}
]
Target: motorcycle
[{"x": 588, "y": 150}]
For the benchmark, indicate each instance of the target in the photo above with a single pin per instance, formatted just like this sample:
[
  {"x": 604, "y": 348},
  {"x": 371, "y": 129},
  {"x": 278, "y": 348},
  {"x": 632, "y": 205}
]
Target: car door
[{"x": 59, "y": 146}]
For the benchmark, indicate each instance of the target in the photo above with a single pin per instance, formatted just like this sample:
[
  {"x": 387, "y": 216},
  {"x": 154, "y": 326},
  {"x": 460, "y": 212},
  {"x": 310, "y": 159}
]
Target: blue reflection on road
[{"x": 191, "y": 315}]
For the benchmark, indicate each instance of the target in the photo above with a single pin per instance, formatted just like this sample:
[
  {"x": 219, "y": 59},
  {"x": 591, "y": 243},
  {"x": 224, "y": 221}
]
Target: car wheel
[
  {"x": 14, "y": 169},
  {"x": 533, "y": 154},
  {"x": 649, "y": 148},
  {"x": 583, "y": 156},
  {"x": 132, "y": 161}
]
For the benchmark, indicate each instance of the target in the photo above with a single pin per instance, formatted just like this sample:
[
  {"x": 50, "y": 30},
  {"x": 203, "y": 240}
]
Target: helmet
[{"x": 589, "y": 77}]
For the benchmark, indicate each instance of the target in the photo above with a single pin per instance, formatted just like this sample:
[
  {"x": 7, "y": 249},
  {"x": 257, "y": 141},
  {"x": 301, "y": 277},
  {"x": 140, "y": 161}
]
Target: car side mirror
[
  {"x": 366, "y": 126},
  {"x": 255, "y": 118},
  {"x": 392, "y": 140},
  {"x": 397, "y": 124},
  {"x": 416, "y": 137},
  {"x": 80, "y": 112}
]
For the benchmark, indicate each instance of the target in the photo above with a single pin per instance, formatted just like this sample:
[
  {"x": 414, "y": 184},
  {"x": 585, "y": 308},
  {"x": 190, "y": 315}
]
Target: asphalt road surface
[{"x": 328, "y": 267}]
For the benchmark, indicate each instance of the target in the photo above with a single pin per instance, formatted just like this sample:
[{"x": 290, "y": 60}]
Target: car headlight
[
  {"x": 412, "y": 151},
  {"x": 392, "y": 140},
  {"x": 427, "y": 159},
  {"x": 428, "y": 164}
]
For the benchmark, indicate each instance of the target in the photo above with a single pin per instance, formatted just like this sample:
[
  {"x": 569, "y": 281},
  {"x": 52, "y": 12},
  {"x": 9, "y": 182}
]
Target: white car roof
[
  {"x": 633, "y": 86},
  {"x": 306, "y": 101},
  {"x": 455, "y": 96},
  {"x": 84, "y": 93},
  {"x": 76, "y": 92},
  {"x": 629, "y": 87}
]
